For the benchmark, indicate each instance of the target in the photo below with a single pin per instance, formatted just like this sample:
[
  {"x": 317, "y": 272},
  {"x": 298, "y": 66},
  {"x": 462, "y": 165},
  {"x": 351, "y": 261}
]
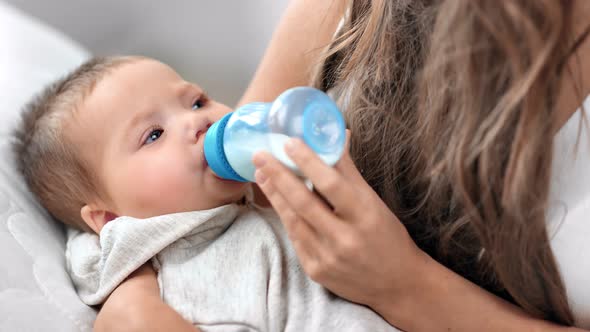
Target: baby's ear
[{"x": 95, "y": 217}]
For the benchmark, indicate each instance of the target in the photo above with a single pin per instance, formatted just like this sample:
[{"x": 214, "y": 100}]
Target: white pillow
[{"x": 36, "y": 293}]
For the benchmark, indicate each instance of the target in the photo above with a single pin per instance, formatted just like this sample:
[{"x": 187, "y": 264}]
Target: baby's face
[{"x": 143, "y": 129}]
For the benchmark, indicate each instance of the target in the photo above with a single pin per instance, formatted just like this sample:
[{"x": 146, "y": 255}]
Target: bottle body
[
  {"x": 245, "y": 134},
  {"x": 302, "y": 112}
]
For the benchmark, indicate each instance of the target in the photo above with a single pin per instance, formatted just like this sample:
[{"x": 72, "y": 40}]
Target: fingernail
[
  {"x": 258, "y": 160},
  {"x": 259, "y": 176},
  {"x": 290, "y": 145}
]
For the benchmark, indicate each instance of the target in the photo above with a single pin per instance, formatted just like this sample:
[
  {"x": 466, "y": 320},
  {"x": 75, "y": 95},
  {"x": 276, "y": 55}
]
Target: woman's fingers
[
  {"x": 297, "y": 196},
  {"x": 304, "y": 238},
  {"x": 328, "y": 181}
]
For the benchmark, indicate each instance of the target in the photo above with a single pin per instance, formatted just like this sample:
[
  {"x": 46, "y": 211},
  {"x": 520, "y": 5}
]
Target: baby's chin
[
  {"x": 238, "y": 192},
  {"x": 228, "y": 191}
]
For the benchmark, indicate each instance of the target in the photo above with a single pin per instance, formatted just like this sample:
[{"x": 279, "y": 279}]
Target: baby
[{"x": 115, "y": 149}]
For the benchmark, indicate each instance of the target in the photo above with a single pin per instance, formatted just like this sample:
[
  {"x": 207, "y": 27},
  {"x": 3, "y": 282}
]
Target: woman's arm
[
  {"x": 359, "y": 250},
  {"x": 136, "y": 306},
  {"x": 306, "y": 28},
  {"x": 372, "y": 260},
  {"x": 439, "y": 299}
]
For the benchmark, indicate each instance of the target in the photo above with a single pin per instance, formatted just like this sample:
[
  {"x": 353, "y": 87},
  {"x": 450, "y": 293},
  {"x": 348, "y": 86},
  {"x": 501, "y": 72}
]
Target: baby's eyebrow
[
  {"x": 188, "y": 89},
  {"x": 137, "y": 119}
]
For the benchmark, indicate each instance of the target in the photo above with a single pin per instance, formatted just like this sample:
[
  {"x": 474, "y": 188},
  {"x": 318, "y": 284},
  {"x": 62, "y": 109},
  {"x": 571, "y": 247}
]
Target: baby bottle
[{"x": 302, "y": 112}]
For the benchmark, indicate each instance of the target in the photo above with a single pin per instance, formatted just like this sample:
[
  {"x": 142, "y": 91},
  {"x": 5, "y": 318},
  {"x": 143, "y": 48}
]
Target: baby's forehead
[
  {"x": 135, "y": 81},
  {"x": 124, "y": 92},
  {"x": 144, "y": 70}
]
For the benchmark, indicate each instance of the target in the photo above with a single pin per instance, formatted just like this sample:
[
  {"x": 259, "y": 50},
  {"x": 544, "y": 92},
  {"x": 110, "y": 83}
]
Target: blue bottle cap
[
  {"x": 215, "y": 154},
  {"x": 324, "y": 129}
]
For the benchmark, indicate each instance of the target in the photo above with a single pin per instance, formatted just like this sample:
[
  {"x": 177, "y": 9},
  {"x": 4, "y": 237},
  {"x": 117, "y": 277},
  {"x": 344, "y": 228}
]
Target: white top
[
  {"x": 226, "y": 269},
  {"x": 568, "y": 217}
]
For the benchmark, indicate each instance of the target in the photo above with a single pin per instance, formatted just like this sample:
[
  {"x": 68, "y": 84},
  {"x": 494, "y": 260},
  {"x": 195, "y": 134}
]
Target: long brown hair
[{"x": 451, "y": 106}]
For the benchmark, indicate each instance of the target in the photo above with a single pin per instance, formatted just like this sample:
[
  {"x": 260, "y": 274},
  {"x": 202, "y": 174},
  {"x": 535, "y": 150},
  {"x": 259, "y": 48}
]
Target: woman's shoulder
[
  {"x": 570, "y": 168},
  {"x": 570, "y": 178},
  {"x": 568, "y": 216}
]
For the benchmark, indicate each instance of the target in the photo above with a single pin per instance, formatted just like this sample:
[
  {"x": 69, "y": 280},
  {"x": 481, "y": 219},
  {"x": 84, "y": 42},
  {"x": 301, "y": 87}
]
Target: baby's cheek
[{"x": 161, "y": 188}]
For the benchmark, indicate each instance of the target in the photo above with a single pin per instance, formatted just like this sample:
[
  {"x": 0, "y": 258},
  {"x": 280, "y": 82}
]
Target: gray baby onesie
[{"x": 230, "y": 268}]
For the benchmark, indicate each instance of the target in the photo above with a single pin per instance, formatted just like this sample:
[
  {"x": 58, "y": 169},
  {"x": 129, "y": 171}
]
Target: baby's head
[{"x": 120, "y": 136}]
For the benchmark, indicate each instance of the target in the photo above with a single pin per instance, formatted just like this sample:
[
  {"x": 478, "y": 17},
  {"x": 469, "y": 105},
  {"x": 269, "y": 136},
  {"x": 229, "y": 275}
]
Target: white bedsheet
[{"x": 36, "y": 293}]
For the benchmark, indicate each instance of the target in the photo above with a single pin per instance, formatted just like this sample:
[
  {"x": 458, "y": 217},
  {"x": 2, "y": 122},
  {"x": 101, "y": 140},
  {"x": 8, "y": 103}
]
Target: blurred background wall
[{"x": 215, "y": 43}]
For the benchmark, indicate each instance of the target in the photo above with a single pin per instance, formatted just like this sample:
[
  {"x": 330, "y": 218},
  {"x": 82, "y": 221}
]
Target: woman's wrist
[
  {"x": 435, "y": 298},
  {"x": 401, "y": 303}
]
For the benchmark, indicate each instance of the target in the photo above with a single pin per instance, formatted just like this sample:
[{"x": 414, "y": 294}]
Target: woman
[{"x": 453, "y": 106}]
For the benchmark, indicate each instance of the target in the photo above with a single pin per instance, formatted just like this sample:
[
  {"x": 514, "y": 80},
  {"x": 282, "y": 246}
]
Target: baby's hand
[{"x": 122, "y": 309}]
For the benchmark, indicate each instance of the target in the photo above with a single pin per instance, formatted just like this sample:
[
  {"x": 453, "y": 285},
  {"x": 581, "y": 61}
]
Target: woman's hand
[
  {"x": 355, "y": 246},
  {"x": 359, "y": 250}
]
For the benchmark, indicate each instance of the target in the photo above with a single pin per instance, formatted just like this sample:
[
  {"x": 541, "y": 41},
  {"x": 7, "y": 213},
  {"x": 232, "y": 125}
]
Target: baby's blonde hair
[{"x": 48, "y": 159}]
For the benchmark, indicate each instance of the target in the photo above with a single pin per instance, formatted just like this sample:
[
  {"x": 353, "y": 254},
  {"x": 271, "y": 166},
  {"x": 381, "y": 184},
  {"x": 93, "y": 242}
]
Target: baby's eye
[
  {"x": 198, "y": 104},
  {"x": 153, "y": 136}
]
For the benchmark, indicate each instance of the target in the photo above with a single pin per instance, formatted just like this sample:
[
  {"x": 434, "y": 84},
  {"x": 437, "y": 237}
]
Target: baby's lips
[
  {"x": 199, "y": 134},
  {"x": 205, "y": 163},
  {"x": 203, "y": 131}
]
